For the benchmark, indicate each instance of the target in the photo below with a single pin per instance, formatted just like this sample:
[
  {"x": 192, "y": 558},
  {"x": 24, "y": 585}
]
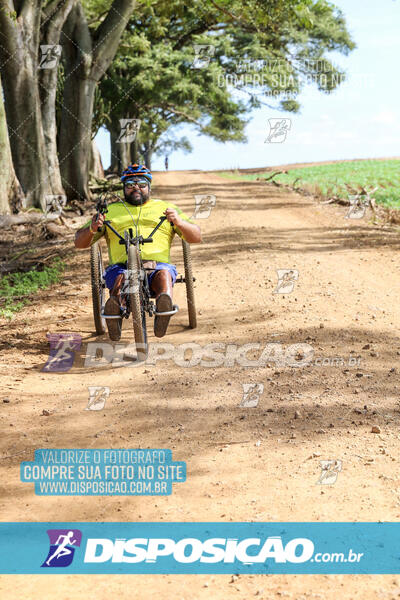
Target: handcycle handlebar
[
  {"x": 139, "y": 238},
  {"x": 149, "y": 239},
  {"x": 101, "y": 208},
  {"x": 101, "y": 205}
]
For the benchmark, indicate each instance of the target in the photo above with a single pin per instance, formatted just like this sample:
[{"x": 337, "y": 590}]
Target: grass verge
[{"x": 16, "y": 289}]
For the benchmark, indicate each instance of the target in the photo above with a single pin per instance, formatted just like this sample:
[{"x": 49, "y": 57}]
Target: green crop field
[{"x": 329, "y": 180}]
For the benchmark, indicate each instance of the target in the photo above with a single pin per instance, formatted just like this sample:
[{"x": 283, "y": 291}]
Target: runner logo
[
  {"x": 97, "y": 397},
  {"x": 49, "y": 56},
  {"x": 63, "y": 543},
  {"x": 286, "y": 280},
  {"x": 251, "y": 394},
  {"x": 358, "y": 206},
  {"x": 329, "y": 471},
  {"x": 129, "y": 130},
  {"x": 203, "y": 55},
  {"x": 203, "y": 205},
  {"x": 278, "y": 130},
  {"x": 62, "y": 351},
  {"x": 55, "y": 204},
  {"x": 132, "y": 280}
]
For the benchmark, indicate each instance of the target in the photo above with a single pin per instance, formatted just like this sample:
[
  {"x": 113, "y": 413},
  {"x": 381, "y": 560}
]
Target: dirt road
[{"x": 244, "y": 464}]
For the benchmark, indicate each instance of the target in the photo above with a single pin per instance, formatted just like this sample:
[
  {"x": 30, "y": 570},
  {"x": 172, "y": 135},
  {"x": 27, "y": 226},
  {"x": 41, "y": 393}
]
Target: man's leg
[
  {"x": 161, "y": 284},
  {"x": 116, "y": 289},
  {"x": 113, "y": 304}
]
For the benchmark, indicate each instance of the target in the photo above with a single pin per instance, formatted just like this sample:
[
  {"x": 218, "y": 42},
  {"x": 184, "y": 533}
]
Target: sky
[{"x": 361, "y": 119}]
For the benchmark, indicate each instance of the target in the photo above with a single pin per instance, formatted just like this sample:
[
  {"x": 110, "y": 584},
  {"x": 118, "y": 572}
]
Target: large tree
[
  {"x": 24, "y": 26},
  {"x": 156, "y": 87},
  {"x": 54, "y": 15},
  {"x": 88, "y": 54},
  {"x": 153, "y": 77},
  {"x": 11, "y": 195},
  {"x": 272, "y": 72}
]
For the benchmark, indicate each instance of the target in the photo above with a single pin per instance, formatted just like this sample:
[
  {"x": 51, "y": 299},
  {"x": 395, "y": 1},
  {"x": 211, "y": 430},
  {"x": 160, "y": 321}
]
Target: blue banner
[{"x": 199, "y": 548}]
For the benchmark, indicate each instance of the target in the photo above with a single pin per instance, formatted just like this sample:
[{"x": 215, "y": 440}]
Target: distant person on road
[
  {"x": 166, "y": 163},
  {"x": 138, "y": 208}
]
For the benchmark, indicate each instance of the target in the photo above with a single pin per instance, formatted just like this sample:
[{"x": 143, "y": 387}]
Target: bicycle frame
[
  {"x": 136, "y": 295},
  {"x": 148, "y": 305}
]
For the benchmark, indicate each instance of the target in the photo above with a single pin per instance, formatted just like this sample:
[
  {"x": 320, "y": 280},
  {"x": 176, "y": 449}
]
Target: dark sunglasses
[{"x": 131, "y": 184}]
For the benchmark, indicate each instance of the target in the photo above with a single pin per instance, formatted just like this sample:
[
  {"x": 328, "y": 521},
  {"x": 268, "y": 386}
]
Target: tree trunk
[
  {"x": 19, "y": 58},
  {"x": 87, "y": 59},
  {"x": 75, "y": 135},
  {"x": 55, "y": 17},
  {"x": 120, "y": 151},
  {"x": 124, "y": 154},
  {"x": 135, "y": 151},
  {"x": 148, "y": 154},
  {"x": 96, "y": 166},
  {"x": 33, "y": 217},
  {"x": 124, "y": 157},
  {"x": 11, "y": 195}
]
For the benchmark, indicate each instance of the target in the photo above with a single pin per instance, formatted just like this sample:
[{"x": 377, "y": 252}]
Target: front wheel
[
  {"x": 136, "y": 304},
  {"x": 98, "y": 287},
  {"x": 187, "y": 261}
]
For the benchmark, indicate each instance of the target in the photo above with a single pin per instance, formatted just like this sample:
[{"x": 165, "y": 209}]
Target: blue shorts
[{"x": 113, "y": 271}]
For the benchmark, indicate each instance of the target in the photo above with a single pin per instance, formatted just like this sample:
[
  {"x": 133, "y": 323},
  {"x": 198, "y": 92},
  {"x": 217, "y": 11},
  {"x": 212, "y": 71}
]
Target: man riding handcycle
[{"x": 155, "y": 223}]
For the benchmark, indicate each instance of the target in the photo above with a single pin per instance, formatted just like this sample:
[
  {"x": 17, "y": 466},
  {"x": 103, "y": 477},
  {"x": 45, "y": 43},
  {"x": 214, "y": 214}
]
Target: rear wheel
[
  {"x": 98, "y": 287},
  {"x": 136, "y": 303},
  {"x": 187, "y": 260}
]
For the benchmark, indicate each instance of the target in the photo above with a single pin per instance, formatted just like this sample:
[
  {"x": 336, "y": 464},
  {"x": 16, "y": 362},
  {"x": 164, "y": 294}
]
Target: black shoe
[
  {"x": 163, "y": 304},
  {"x": 114, "y": 326}
]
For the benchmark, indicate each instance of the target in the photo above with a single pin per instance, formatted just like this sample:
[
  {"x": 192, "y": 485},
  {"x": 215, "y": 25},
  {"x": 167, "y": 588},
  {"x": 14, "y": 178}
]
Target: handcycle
[{"x": 135, "y": 295}]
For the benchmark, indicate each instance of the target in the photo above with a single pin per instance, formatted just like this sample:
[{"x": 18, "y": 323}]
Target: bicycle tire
[
  {"x": 136, "y": 305},
  {"x": 96, "y": 272},
  {"x": 187, "y": 261}
]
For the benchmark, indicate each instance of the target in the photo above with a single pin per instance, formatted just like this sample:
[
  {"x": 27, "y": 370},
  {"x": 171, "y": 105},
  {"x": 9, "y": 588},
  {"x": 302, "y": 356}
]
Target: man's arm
[
  {"x": 191, "y": 233},
  {"x": 84, "y": 236}
]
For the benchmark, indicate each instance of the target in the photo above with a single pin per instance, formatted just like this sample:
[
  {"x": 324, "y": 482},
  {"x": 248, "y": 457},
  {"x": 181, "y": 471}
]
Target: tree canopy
[{"x": 69, "y": 67}]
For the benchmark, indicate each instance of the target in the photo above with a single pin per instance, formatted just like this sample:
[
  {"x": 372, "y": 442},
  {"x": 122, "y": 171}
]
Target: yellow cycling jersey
[{"x": 147, "y": 216}]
